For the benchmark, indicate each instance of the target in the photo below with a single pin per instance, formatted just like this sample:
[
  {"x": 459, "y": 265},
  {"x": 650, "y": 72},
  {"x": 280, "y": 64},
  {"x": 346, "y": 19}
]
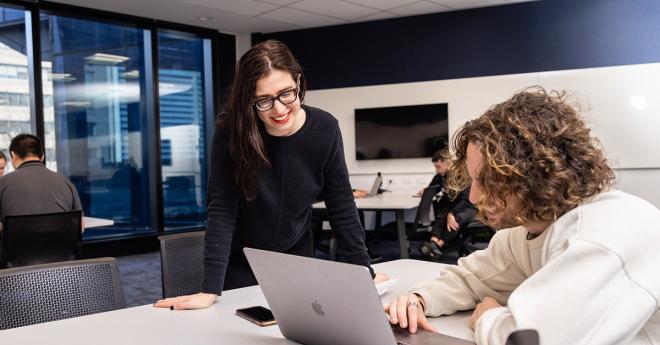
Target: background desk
[
  {"x": 388, "y": 201},
  {"x": 215, "y": 325},
  {"x": 91, "y": 222}
]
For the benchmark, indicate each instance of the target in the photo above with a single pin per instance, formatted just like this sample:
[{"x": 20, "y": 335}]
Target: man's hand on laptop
[
  {"x": 380, "y": 277},
  {"x": 197, "y": 301},
  {"x": 407, "y": 311}
]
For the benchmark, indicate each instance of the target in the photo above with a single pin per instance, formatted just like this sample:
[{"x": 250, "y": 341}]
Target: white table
[
  {"x": 91, "y": 222},
  {"x": 215, "y": 325},
  {"x": 396, "y": 202}
]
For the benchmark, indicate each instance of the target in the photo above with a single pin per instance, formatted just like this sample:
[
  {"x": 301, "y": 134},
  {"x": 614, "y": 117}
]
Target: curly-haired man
[{"x": 573, "y": 261}]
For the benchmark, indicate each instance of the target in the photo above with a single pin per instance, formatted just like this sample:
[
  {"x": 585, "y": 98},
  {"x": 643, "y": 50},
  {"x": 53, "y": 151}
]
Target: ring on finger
[{"x": 412, "y": 304}]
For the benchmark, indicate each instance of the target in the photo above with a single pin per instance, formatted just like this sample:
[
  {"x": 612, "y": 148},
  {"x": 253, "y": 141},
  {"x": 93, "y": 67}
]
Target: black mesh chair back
[
  {"x": 423, "y": 215},
  {"x": 523, "y": 337},
  {"x": 474, "y": 236},
  {"x": 41, "y": 238},
  {"x": 49, "y": 292},
  {"x": 182, "y": 263}
]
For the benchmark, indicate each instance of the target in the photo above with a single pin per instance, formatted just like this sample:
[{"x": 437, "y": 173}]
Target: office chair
[
  {"x": 523, "y": 337},
  {"x": 49, "y": 292},
  {"x": 182, "y": 263},
  {"x": 474, "y": 236},
  {"x": 41, "y": 238},
  {"x": 422, "y": 225},
  {"x": 420, "y": 229}
]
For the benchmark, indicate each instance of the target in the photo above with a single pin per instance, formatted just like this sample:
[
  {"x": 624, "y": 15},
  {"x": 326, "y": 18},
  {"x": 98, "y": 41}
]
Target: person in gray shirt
[
  {"x": 31, "y": 188},
  {"x": 3, "y": 163}
]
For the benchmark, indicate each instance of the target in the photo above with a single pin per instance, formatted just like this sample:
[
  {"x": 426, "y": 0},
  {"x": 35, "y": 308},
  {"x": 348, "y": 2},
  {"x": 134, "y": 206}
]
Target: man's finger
[
  {"x": 424, "y": 323},
  {"x": 393, "y": 318},
  {"x": 413, "y": 305},
  {"x": 402, "y": 310}
]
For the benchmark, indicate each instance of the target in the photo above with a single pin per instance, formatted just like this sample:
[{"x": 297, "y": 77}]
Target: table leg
[{"x": 401, "y": 231}]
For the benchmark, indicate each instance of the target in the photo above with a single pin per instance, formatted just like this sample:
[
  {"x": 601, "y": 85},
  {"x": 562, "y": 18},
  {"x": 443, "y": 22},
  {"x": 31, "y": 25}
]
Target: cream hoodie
[{"x": 592, "y": 277}]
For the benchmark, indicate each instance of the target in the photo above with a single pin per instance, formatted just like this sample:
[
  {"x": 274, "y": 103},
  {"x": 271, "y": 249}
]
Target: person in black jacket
[
  {"x": 271, "y": 158},
  {"x": 450, "y": 214},
  {"x": 442, "y": 163}
]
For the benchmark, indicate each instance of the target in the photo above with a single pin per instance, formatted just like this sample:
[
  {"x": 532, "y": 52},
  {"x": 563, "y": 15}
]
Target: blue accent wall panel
[{"x": 518, "y": 38}]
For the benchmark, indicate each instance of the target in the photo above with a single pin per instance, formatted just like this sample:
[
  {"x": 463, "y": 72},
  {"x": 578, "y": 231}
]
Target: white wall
[
  {"x": 620, "y": 104},
  {"x": 243, "y": 44}
]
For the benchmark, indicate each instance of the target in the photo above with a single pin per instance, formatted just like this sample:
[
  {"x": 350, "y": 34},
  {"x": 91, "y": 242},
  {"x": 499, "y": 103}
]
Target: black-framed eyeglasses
[{"x": 285, "y": 97}]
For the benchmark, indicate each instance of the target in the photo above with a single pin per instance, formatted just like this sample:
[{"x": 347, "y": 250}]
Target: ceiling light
[
  {"x": 133, "y": 74},
  {"x": 106, "y": 59},
  {"x": 205, "y": 18},
  {"x": 81, "y": 104},
  {"x": 61, "y": 77}
]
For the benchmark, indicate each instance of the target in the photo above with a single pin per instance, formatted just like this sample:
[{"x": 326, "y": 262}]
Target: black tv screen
[{"x": 414, "y": 131}]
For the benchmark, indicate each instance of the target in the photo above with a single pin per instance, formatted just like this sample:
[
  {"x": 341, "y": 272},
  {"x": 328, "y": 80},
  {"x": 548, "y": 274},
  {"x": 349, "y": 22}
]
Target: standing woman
[{"x": 271, "y": 158}]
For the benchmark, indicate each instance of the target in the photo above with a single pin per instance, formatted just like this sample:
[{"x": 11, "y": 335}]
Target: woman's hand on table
[{"x": 197, "y": 301}]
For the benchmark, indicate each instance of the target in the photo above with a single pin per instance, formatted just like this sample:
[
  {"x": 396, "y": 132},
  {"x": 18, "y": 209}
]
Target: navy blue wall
[{"x": 518, "y": 38}]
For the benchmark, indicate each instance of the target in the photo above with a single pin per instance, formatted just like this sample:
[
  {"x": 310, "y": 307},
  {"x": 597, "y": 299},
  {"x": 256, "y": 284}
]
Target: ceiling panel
[
  {"x": 379, "y": 16},
  {"x": 464, "y": 4},
  {"x": 339, "y": 9},
  {"x": 249, "y": 16},
  {"x": 245, "y": 7},
  {"x": 420, "y": 7},
  {"x": 301, "y": 18},
  {"x": 279, "y": 2},
  {"x": 382, "y": 4}
]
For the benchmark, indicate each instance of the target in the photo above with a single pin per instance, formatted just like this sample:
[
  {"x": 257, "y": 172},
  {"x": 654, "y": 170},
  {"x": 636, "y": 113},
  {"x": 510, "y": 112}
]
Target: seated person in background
[
  {"x": 574, "y": 262},
  {"x": 442, "y": 163},
  {"x": 360, "y": 193},
  {"x": 3, "y": 163},
  {"x": 450, "y": 217},
  {"x": 31, "y": 188}
]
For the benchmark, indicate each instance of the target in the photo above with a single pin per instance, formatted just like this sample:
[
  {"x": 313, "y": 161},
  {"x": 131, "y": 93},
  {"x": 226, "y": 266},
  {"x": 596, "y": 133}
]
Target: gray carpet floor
[{"x": 141, "y": 279}]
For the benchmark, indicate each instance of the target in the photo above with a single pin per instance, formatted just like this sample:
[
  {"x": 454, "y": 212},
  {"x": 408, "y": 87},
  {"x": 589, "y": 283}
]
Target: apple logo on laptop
[{"x": 318, "y": 309}]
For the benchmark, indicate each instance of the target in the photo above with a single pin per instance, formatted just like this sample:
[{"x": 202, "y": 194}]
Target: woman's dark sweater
[{"x": 303, "y": 165}]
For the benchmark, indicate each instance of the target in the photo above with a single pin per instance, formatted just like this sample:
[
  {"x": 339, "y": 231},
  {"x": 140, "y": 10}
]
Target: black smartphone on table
[{"x": 258, "y": 315}]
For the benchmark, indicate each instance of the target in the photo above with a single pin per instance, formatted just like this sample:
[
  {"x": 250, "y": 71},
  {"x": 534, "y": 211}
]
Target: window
[
  {"x": 182, "y": 130},
  {"x": 97, "y": 119},
  {"x": 105, "y": 117},
  {"x": 14, "y": 82}
]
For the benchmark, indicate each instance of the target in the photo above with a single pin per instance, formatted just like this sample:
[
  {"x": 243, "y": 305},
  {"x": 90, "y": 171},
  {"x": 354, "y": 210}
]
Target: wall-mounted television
[{"x": 413, "y": 131}]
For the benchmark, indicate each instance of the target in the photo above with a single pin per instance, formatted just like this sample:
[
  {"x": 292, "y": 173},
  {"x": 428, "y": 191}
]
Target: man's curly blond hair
[{"x": 537, "y": 148}]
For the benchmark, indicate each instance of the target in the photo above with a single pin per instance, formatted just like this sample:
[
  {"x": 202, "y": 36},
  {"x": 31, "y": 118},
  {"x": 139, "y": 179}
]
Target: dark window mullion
[
  {"x": 33, "y": 33},
  {"x": 153, "y": 129}
]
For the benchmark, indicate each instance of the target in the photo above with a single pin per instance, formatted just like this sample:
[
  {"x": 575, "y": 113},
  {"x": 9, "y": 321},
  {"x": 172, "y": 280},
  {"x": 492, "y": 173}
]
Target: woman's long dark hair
[{"x": 241, "y": 122}]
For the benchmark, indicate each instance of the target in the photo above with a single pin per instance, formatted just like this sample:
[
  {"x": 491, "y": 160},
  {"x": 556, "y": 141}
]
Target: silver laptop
[
  {"x": 318, "y": 302},
  {"x": 376, "y": 186}
]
